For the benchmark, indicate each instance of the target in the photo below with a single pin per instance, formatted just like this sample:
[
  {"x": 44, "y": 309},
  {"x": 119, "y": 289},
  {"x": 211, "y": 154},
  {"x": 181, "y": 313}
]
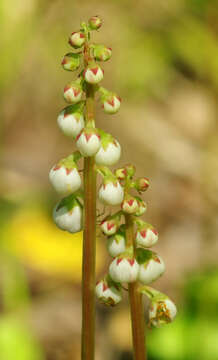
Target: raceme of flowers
[{"x": 131, "y": 262}]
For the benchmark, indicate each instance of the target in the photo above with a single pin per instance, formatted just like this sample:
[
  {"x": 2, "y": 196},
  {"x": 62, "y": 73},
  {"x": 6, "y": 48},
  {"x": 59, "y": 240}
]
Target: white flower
[
  {"x": 130, "y": 205},
  {"x": 93, "y": 74},
  {"x": 111, "y": 193},
  {"x": 124, "y": 270},
  {"x": 109, "y": 295},
  {"x": 69, "y": 220},
  {"x": 147, "y": 237},
  {"x": 108, "y": 155},
  {"x": 111, "y": 104},
  {"x": 70, "y": 123},
  {"x": 64, "y": 180},
  {"x": 72, "y": 93},
  {"x": 151, "y": 270},
  {"x": 88, "y": 142},
  {"x": 116, "y": 245},
  {"x": 162, "y": 311},
  {"x": 109, "y": 227},
  {"x": 77, "y": 39}
]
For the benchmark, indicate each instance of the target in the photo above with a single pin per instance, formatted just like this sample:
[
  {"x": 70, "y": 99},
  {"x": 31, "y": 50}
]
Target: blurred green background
[{"x": 165, "y": 68}]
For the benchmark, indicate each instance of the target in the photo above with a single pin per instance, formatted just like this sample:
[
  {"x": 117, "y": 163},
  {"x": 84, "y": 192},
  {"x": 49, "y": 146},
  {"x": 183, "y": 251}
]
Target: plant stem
[
  {"x": 89, "y": 242},
  {"x": 136, "y": 305}
]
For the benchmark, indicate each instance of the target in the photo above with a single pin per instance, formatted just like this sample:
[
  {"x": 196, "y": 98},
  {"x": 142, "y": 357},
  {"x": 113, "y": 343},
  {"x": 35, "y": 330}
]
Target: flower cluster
[{"x": 132, "y": 261}]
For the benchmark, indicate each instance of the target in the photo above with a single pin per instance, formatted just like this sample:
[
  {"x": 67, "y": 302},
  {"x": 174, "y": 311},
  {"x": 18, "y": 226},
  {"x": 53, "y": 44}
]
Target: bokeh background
[{"x": 165, "y": 68}]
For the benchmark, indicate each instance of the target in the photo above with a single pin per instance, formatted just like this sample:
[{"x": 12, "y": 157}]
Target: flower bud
[
  {"x": 111, "y": 192},
  {"x": 116, "y": 244},
  {"x": 142, "y": 184},
  {"x": 77, "y": 39},
  {"x": 101, "y": 52},
  {"x": 130, "y": 170},
  {"x": 71, "y": 62},
  {"x": 162, "y": 311},
  {"x": 142, "y": 207},
  {"x": 124, "y": 269},
  {"x": 64, "y": 176},
  {"x": 108, "y": 292},
  {"x": 109, "y": 152},
  {"x": 67, "y": 215},
  {"x": 121, "y": 173},
  {"x": 71, "y": 121},
  {"x": 111, "y": 103},
  {"x": 146, "y": 235},
  {"x": 93, "y": 74},
  {"x": 95, "y": 22},
  {"x": 73, "y": 93},
  {"x": 88, "y": 141},
  {"x": 151, "y": 268},
  {"x": 109, "y": 226},
  {"x": 130, "y": 205}
]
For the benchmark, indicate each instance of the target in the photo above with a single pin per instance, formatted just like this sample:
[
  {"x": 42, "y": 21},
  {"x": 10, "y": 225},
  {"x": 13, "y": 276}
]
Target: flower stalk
[
  {"x": 136, "y": 303},
  {"x": 89, "y": 236}
]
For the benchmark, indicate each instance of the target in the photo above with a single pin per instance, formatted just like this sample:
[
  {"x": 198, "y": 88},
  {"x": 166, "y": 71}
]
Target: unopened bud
[
  {"x": 129, "y": 205},
  {"x": 101, "y": 52},
  {"x": 116, "y": 244},
  {"x": 130, "y": 170},
  {"x": 142, "y": 184},
  {"x": 95, "y": 22},
  {"x": 121, "y": 173},
  {"x": 71, "y": 121},
  {"x": 124, "y": 269},
  {"x": 93, "y": 74},
  {"x": 88, "y": 141},
  {"x": 77, "y": 39},
  {"x": 73, "y": 93},
  {"x": 67, "y": 215},
  {"x": 71, "y": 62},
  {"x": 111, "y": 192},
  {"x": 108, "y": 292}
]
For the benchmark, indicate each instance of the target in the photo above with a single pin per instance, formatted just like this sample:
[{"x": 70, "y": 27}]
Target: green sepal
[
  {"x": 69, "y": 202},
  {"x": 143, "y": 255},
  {"x": 106, "y": 139},
  {"x": 151, "y": 293},
  {"x": 111, "y": 282},
  {"x": 70, "y": 162}
]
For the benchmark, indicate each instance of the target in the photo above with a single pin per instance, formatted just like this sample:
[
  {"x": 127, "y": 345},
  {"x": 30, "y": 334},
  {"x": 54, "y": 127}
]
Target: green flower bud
[
  {"x": 95, "y": 22},
  {"x": 77, "y": 39},
  {"x": 101, "y": 52},
  {"x": 71, "y": 62}
]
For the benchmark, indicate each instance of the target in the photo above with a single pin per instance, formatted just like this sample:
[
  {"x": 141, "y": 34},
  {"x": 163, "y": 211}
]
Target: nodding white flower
[
  {"x": 111, "y": 103},
  {"x": 116, "y": 244},
  {"x": 101, "y": 52},
  {"x": 146, "y": 236},
  {"x": 77, "y": 39},
  {"x": 162, "y": 311},
  {"x": 151, "y": 269},
  {"x": 64, "y": 177},
  {"x": 130, "y": 205},
  {"x": 111, "y": 192},
  {"x": 73, "y": 93},
  {"x": 109, "y": 152},
  {"x": 93, "y": 74},
  {"x": 71, "y": 62},
  {"x": 71, "y": 121},
  {"x": 142, "y": 184},
  {"x": 124, "y": 269},
  {"x": 95, "y": 22},
  {"x": 108, "y": 293},
  {"x": 68, "y": 217},
  {"x": 109, "y": 226},
  {"x": 88, "y": 141},
  {"x": 142, "y": 207}
]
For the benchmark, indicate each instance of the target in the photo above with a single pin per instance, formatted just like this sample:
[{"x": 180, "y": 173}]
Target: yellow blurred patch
[{"x": 41, "y": 245}]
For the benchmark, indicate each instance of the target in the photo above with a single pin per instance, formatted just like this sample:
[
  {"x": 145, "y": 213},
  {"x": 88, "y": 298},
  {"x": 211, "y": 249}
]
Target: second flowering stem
[{"x": 136, "y": 304}]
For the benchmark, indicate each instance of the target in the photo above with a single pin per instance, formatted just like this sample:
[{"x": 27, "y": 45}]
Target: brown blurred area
[{"x": 164, "y": 66}]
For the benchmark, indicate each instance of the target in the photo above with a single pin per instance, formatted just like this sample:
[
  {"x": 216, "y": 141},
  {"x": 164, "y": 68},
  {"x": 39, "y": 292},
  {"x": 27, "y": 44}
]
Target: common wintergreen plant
[{"x": 128, "y": 237}]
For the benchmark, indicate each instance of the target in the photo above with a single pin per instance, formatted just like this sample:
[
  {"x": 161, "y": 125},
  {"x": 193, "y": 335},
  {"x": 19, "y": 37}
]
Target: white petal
[
  {"x": 149, "y": 240},
  {"x": 116, "y": 248},
  {"x": 68, "y": 220},
  {"x": 69, "y": 124},
  {"x": 123, "y": 272},
  {"x": 152, "y": 271},
  {"x": 110, "y": 156},
  {"x": 65, "y": 183},
  {"x": 90, "y": 147},
  {"x": 110, "y": 194}
]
